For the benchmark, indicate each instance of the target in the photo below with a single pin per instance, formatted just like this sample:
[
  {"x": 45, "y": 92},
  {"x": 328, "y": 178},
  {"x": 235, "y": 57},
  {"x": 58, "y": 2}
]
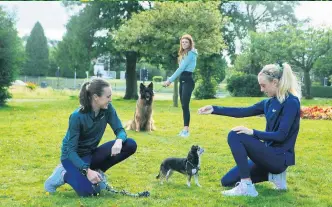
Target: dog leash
[
  {"x": 123, "y": 192},
  {"x": 160, "y": 89}
]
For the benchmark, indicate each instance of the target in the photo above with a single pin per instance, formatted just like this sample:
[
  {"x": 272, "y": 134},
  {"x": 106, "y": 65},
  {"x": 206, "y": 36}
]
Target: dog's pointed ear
[
  {"x": 142, "y": 86},
  {"x": 151, "y": 85}
]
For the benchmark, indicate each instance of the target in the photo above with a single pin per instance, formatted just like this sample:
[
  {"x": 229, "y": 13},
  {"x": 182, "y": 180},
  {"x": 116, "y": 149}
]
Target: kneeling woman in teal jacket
[
  {"x": 270, "y": 152},
  {"x": 83, "y": 161}
]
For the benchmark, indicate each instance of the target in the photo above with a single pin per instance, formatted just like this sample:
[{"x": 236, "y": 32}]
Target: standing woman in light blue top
[{"x": 187, "y": 64}]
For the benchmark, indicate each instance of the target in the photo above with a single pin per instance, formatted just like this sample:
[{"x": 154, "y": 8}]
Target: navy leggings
[
  {"x": 100, "y": 159},
  {"x": 262, "y": 160},
  {"x": 186, "y": 88}
]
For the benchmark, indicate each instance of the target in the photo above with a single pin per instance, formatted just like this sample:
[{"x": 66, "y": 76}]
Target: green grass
[{"x": 32, "y": 132}]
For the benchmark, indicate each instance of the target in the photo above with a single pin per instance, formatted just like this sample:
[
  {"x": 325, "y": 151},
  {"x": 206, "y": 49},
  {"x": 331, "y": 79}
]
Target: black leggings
[{"x": 187, "y": 86}]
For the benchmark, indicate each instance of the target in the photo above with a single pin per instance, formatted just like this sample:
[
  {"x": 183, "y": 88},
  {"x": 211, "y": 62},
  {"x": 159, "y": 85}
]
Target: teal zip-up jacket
[
  {"x": 282, "y": 123},
  {"x": 188, "y": 63},
  {"x": 85, "y": 132}
]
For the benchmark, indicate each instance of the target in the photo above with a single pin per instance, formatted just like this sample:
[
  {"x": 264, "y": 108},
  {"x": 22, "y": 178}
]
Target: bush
[
  {"x": 157, "y": 79},
  {"x": 4, "y": 95},
  {"x": 321, "y": 91},
  {"x": 241, "y": 85},
  {"x": 31, "y": 86},
  {"x": 205, "y": 89}
]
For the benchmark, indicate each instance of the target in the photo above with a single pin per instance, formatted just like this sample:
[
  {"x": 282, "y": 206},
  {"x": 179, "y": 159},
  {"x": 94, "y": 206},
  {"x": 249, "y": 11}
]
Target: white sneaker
[
  {"x": 184, "y": 133},
  {"x": 279, "y": 180},
  {"x": 242, "y": 189},
  {"x": 55, "y": 180}
]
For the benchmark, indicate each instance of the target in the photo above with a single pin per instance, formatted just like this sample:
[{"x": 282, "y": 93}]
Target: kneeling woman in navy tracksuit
[
  {"x": 83, "y": 161},
  {"x": 270, "y": 152}
]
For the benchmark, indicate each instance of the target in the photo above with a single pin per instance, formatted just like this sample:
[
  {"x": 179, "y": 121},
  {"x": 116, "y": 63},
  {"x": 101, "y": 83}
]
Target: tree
[
  {"x": 253, "y": 16},
  {"x": 11, "y": 54},
  {"x": 36, "y": 49},
  {"x": 155, "y": 33},
  {"x": 211, "y": 69},
  {"x": 83, "y": 41},
  {"x": 301, "y": 47},
  {"x": 323, "y": 66}
]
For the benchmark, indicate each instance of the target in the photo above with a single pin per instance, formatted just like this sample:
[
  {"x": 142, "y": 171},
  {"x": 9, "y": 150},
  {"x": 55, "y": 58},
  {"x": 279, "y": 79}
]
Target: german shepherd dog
[{"x": 143, "y": 115}]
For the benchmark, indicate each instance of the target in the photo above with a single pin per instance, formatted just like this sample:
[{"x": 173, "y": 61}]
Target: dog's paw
[
  {"x": 188, "y": 184},
  {"x": 198, "y": 185}
]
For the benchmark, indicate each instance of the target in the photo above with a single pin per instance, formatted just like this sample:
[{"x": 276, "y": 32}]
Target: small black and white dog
[{"x": 188, "y": 166}]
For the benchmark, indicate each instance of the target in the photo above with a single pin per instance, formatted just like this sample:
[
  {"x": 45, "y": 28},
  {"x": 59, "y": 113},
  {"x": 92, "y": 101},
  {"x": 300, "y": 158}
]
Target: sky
[{"x": 53, "y": 16}]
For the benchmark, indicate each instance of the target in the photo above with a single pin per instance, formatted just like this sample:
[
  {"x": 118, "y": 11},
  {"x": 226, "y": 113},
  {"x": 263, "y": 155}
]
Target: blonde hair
[
  {"x": 287, "y": 81},
  {"x": 183, "y": 52}
]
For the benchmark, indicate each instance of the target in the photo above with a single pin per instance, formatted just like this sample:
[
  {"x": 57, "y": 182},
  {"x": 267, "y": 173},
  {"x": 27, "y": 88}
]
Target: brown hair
[
  {"x": 89, "y": 88},
  {"x": 182, "y": 52}
]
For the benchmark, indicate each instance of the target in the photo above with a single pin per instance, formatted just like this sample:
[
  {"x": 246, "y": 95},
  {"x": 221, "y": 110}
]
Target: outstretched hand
[{"x": 205, "y": 110}]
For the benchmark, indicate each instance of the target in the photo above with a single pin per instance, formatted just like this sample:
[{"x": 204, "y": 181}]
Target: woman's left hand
[
  {"x": 116, "y": 149},
  {"x": 243, "y": 130}
]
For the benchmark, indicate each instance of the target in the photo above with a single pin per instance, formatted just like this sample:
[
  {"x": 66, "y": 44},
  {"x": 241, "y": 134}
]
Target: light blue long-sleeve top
[{"x": 188, "y": 63}]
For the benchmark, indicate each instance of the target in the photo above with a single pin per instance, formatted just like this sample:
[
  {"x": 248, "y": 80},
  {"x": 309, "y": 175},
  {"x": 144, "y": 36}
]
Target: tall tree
[
  {"x": 36, "y": 49},
  {"x": 11, "y": 54},
  {"x": 323, "y": 66},
  {"x": 300, "y": 47},
  {"x": 253, "y": 16},
  {"x": 82, "y": 38},
  {"x": 155, "y": 33}
]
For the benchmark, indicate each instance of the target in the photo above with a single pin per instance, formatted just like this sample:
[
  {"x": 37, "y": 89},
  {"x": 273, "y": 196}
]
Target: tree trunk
[
  {"x": 174, "y": 64},
  {"x": 307, "y": 84},
  {"x": 131, "y": 79}
]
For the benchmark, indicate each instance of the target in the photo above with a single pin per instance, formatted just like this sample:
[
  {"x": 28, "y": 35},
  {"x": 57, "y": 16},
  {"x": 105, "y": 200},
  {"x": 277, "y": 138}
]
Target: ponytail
[
  {"x": 287, "y": 81},
  {"x": 85, "y": 99}
]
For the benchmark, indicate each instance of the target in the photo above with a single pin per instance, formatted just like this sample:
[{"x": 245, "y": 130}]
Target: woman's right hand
[
  {"x": 166, "y": 83},
  {"x": 93, "y": 176},
  {"x": 205, "y": 110}
]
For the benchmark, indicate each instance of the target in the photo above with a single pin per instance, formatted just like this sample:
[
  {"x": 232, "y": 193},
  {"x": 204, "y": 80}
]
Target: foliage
[
  {"x": 243, "y": 85},
  {"x": 252, "y": 16},
  {"x": 323, "y": 66},
  {"x": 155, "y": 33},
  {"x": 11, "y": 54},
  {"x": 205, "y": 89},
  {"x": 37, "y": 54},
  {"x": 87, "y": 38},
  {"x": 157, "y": 78},
  {"x": 301, "y": 47},
  {"x": 321, "y": 91}
]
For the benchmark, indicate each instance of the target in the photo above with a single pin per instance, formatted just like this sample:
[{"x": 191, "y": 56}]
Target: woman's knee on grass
[{"x": 131, "y": 145}]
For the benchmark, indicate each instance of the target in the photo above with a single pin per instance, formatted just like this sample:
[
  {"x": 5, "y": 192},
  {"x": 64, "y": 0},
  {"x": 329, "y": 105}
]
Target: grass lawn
[{"x": 33, "y": 124}]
